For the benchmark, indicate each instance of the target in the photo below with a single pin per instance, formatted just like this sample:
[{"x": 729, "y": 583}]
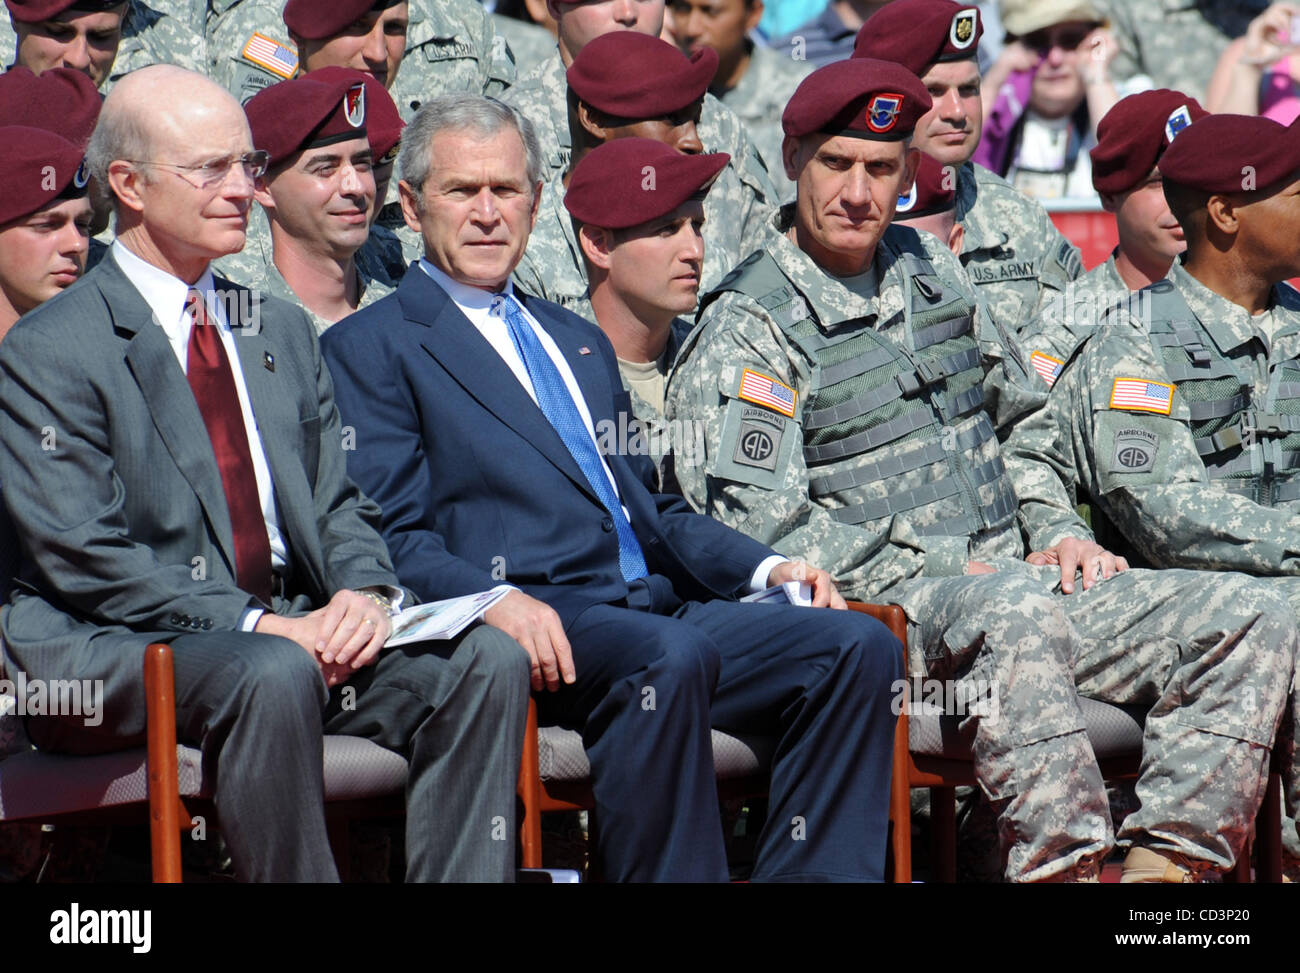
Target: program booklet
[{"x": 442, "y": 619}]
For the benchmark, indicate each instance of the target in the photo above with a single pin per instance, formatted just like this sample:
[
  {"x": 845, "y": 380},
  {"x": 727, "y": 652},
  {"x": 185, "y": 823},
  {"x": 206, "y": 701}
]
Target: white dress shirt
[
  {"x": 485, "y": 311},
  {"x": 167, "y": 297}
]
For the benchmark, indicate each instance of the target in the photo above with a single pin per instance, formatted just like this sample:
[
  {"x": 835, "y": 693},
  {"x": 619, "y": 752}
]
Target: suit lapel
[
  {"x": 170, "y": 401},
  {"x": 456, "y": 344},
  {"x": 276, "y": 416}
]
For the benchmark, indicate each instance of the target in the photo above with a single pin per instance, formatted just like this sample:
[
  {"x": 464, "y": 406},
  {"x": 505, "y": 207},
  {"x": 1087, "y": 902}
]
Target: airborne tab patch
[
  {"x": 1135, "y": 451},
  {"x": 1047, "y": 367},
  {"x": 268, "y": 53},
  {"x": 1140, "y": 395},
  {"x": 767, "y": 392}
]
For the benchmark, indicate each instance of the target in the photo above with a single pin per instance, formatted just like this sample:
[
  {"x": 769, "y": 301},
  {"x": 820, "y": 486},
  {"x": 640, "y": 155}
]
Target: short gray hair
[
  {"x": 459, "y": 112},
  {"x": 119, "y": 134}
]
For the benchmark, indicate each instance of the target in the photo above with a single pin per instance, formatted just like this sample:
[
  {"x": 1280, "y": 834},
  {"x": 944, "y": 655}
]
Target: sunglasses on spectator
[{"x": 1065, "y": 36}]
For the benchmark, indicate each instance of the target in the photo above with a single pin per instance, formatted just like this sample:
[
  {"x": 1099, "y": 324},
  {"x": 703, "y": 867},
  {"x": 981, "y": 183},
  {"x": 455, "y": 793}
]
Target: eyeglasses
[
  {"x": 212, "y": 174},
  {"x": 1066, "y": 38}
]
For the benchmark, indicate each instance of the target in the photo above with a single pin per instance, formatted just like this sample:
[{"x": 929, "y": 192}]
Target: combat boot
[{"x": 1150, "y": 866}]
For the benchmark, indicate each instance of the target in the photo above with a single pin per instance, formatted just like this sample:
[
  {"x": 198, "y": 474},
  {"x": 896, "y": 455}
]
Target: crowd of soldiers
[{"x": 838, "y": 334}]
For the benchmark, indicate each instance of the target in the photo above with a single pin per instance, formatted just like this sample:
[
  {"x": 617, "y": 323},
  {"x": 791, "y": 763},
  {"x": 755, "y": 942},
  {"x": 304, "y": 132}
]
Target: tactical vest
[
  {"x": 889, "y": 430},
  {"x": 1225, "y": 422}
]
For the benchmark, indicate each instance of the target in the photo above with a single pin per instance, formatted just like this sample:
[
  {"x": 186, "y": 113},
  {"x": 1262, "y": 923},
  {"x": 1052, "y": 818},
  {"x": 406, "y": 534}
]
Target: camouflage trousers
[
  {"x": 1209, "y": 656},
  {"x": 1289, "y": 588}
]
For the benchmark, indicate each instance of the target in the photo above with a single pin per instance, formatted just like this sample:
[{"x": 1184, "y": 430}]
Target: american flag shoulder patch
[
  {"x": 268, "y": 53},
  {"x": 1046, "y": 366},
  {"x": 1141, "y": 395},
  {"x": 768, "y": 392}
]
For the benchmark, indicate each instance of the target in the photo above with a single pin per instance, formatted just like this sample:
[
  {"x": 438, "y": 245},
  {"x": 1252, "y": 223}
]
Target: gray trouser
[{"x": 255, "y": 705}]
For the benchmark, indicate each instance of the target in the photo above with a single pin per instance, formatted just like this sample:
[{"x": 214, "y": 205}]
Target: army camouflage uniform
[
  {"x": 1175, "y": 43},
  {"x": 1067, "y": 318},
  {"x": 914, "y": 369},
  {"x": 530, "y": 43},
  {"x": 742, "y": 197},
  {"x": 759, "y": 99},
  {"x": 151, "y": 34},
  {"x": 1205, "y": 474},
  {"x": 736, "y": 210},
  {"x": 451, "y": 46},
  {"x": 1013, "y": 253},
  {"x": 552, "y": 266},
  {"x": 254, "y": 268}
]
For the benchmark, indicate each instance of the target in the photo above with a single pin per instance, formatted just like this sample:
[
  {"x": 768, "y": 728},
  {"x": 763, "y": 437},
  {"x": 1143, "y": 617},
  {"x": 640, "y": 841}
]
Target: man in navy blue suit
[{"x": 474, "y": 413}]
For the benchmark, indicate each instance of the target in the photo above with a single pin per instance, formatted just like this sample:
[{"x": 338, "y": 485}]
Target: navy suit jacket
[{"x": 475, "y": 485}]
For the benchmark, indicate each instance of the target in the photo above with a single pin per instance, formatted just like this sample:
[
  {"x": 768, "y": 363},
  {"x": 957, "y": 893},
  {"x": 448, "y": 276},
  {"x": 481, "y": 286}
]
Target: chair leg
[
  {"x": 943, "y": 835},
  {"x": 1268, "y": 833},
  {"x": 900, "y": 807},
  {"x": 530, "y": 793},
  {"x": 165, "y": 809}
]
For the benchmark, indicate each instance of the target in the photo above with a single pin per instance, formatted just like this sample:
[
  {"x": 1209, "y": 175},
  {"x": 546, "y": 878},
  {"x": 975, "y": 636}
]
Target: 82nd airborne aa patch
[{"x": 1135, "y": 451}]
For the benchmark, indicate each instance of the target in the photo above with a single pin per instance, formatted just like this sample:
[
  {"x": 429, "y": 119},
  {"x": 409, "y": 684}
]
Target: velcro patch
[
  {"x": 759, "y": 440},
  {"x": 266, "y": 52},
  {"x": 768, "y": 392},
  {"x": 1047, "y": 367},
  {"x": 1135, "y": 451},
  {"x": 1142, "y": 395}
]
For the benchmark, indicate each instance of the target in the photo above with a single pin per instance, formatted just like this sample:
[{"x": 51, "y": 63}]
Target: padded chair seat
[
  {"x": 1114, "y": 731},
  {"x": 562, "y": 759},
  {"x": 36, "y": 784}
]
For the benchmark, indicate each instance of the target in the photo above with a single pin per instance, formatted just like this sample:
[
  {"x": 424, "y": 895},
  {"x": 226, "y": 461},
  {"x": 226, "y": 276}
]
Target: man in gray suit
[{"x": 163, "y": 494}]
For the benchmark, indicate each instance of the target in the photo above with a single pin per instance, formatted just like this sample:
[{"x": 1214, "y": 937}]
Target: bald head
[
  {"x": 160, "y": 103},
  {"x": 167, "y": 150}
]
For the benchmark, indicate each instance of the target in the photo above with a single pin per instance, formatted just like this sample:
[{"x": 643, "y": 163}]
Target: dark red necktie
[{"x": 208, "y": 370}]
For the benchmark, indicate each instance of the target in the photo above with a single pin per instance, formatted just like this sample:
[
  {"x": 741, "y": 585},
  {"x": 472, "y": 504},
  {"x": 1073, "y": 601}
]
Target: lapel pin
[
  {"x": 268, "y": 361},
  {"x": 584, "y": 350}
]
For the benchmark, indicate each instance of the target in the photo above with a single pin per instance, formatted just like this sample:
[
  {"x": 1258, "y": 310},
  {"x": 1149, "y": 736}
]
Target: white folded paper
[{"x": 443, "y": 619}]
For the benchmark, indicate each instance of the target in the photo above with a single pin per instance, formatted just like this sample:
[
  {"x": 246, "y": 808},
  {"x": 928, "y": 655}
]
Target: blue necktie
[{"x": 558, "y": 406}]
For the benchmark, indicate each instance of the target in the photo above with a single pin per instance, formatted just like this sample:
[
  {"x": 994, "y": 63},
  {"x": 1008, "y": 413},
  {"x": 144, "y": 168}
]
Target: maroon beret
[
  {"x": 1134, "y": 135},
  {"x": 59, "y": 100},
  {"x": 318, "y": 19},
  {"x": 290, "y": 116},
  {"x": 919, "y": 33},
  {"x": 633, "y": 75},
  {"x": 860, "y": 97},
  {"x": 383, "y": 123},
  {"x": 26, "y": 175},
  {"x": 631, "y": 181},
  {"x": 34, "y": 11},
  {"x": 1232, "y": 154},
  {"x": 935, "y": 190}
]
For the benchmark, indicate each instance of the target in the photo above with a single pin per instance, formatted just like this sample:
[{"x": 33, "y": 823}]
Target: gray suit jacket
[{"x": 113, "y": 486}]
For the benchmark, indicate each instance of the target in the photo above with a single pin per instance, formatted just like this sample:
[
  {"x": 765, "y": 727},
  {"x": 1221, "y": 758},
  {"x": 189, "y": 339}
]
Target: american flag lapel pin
[{"x": 584, "y": 350}]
